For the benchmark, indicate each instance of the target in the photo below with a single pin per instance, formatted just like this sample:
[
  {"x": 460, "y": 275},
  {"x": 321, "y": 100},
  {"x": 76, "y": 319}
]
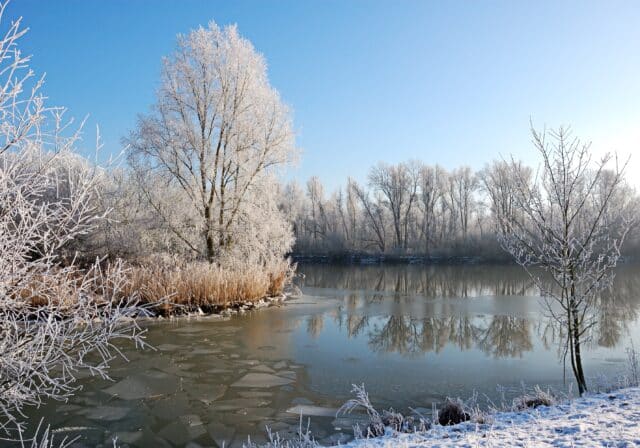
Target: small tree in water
[{"x": 569, "y": 221}]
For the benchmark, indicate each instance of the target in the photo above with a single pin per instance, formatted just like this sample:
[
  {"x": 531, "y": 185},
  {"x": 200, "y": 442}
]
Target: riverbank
[
  {"x": 222, "y": 311},
  {"x": 606, "y": 419},
  {"x": 368, "y": 259},
  {"x": 358, "y": 258}
]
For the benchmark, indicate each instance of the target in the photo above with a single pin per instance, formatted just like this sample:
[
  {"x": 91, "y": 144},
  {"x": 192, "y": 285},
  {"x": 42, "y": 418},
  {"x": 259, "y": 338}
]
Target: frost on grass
[
  {"x": 303, "y": 439},
  {"x": 537, "y": 418},
  {"x": 379, "y": 422},
  {"x": 539, "y": 397},
  {"x": 611, "y": 419}
]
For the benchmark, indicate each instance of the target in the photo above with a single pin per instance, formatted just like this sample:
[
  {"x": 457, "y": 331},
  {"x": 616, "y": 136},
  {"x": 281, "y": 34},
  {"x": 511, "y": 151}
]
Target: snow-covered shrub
[
  {"x": 379, "y": 422},
  {"x": 55, "y": 319},
  {"x": 539, "y": 397},
  {"x": 453, "y": 412}
]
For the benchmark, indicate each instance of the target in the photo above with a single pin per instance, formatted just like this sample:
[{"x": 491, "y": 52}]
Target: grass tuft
[{"x": 538, "y": 398}]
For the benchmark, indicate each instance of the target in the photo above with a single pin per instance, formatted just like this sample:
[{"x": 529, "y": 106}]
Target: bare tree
[
  {"x": 462, "y": 186},
  {"x": 216, "y": 131},
  {"x": 398, "y": 184},
  {"x": 318, "y": 223},
  {"x": 498, "y": 182},
  {"x": 570, "y": 230},
  {"x": 374, "y": 215},
  {"x": 431, "y": 191}
]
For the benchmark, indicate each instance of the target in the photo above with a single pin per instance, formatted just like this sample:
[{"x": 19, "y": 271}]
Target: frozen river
[{"x": 412, "y": 334}]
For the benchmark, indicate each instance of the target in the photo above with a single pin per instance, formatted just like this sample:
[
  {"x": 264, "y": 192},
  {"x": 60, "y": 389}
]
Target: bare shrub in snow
[
  {"x": 539, "y": 397},
  {"x": 452, "y": 412}
]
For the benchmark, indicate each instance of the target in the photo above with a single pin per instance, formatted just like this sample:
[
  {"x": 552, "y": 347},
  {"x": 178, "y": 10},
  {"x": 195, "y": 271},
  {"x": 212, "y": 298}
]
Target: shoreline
[
  {"x": 386, "y": 259},
  {"x": 603, "y": 419},
  {"x": 361, "y": 259},
  {"x": 220, "y": 311}
]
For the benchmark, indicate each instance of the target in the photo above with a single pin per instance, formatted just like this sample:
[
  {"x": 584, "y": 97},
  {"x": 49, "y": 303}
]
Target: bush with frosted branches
[{"x": 53, "y": 315}]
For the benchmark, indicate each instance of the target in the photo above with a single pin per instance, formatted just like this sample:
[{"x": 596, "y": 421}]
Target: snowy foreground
[{"x": 611, "y": 419}]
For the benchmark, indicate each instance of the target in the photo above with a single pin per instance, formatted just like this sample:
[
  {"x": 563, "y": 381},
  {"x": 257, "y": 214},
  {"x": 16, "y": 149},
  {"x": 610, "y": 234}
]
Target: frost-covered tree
[
  {"x": 55, "y": 319},
  {"x": 572, "y": 222},
  {"x": 462, "y": 186},
  {"x": 215, "y": 135},
  {"x": 498, "y": 181},
  {"x": 398, "y": 184},
  {"x": 374, "y": 217},
  {"x": 431, "y": 192}
]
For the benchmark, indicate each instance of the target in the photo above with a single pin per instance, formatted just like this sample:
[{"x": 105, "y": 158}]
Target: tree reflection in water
[
  {"x": 501, "y": 336},
  {"x": 411, "y": 310}
]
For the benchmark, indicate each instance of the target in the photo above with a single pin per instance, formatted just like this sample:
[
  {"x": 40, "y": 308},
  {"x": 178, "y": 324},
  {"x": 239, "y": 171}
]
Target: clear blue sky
[{"x": 445, "y": 82}]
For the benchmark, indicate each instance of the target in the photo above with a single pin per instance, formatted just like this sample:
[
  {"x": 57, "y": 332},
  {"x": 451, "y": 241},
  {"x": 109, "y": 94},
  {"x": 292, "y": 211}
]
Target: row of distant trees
[{"x": 412, "y": 208}]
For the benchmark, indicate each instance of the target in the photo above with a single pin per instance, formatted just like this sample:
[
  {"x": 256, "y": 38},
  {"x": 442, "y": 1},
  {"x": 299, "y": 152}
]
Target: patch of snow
[{"x": 611, "y": 419}]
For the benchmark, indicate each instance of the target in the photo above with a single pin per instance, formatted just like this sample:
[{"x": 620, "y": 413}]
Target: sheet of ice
[
  {"x": 261, "y": 380},
  {"x": 107, "y": 413},
  {"x": 311, "y": 410},
  {"x": 130, "y": 389}
]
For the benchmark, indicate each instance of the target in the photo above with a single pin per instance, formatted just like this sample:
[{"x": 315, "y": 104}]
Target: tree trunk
[
  {"x": 211, "y": 252},
  {"x": 579, "y": 372}
]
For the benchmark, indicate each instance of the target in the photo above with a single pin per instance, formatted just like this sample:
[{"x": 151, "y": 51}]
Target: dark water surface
[{"x": 412, "y": 334}]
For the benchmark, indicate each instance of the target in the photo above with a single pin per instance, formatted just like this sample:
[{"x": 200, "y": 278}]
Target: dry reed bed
[
  {"x": 161, "y": 286},
  {"x": 190, "y": 286}
]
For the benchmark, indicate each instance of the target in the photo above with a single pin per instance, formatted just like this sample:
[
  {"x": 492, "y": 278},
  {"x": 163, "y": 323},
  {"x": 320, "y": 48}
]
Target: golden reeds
[{"x": 206, "y": 286}]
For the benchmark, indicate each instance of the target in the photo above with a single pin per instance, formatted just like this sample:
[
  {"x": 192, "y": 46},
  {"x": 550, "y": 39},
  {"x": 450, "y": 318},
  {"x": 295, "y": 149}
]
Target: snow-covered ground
[{"x": 609, "y": 420}]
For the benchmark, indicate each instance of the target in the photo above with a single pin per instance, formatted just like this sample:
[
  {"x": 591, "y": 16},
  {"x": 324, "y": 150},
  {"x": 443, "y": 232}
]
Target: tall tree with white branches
[{"x": 215, "y": 133}]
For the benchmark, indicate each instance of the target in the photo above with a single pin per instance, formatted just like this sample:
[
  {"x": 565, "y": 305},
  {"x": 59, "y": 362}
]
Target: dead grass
[
  {"x": 167, "y": 285},
  {"x": 208, "y": 287}
]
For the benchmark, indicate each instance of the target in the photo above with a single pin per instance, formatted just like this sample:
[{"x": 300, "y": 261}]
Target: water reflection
[
  {"x": 392, "y": 326},
  {"x": 498, "y": 336},
  {"x": 428, "y": 281}
]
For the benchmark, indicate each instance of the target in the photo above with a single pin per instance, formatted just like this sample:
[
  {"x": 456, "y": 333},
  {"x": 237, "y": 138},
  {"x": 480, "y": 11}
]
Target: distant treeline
[{"x": 409, "y": 212}]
